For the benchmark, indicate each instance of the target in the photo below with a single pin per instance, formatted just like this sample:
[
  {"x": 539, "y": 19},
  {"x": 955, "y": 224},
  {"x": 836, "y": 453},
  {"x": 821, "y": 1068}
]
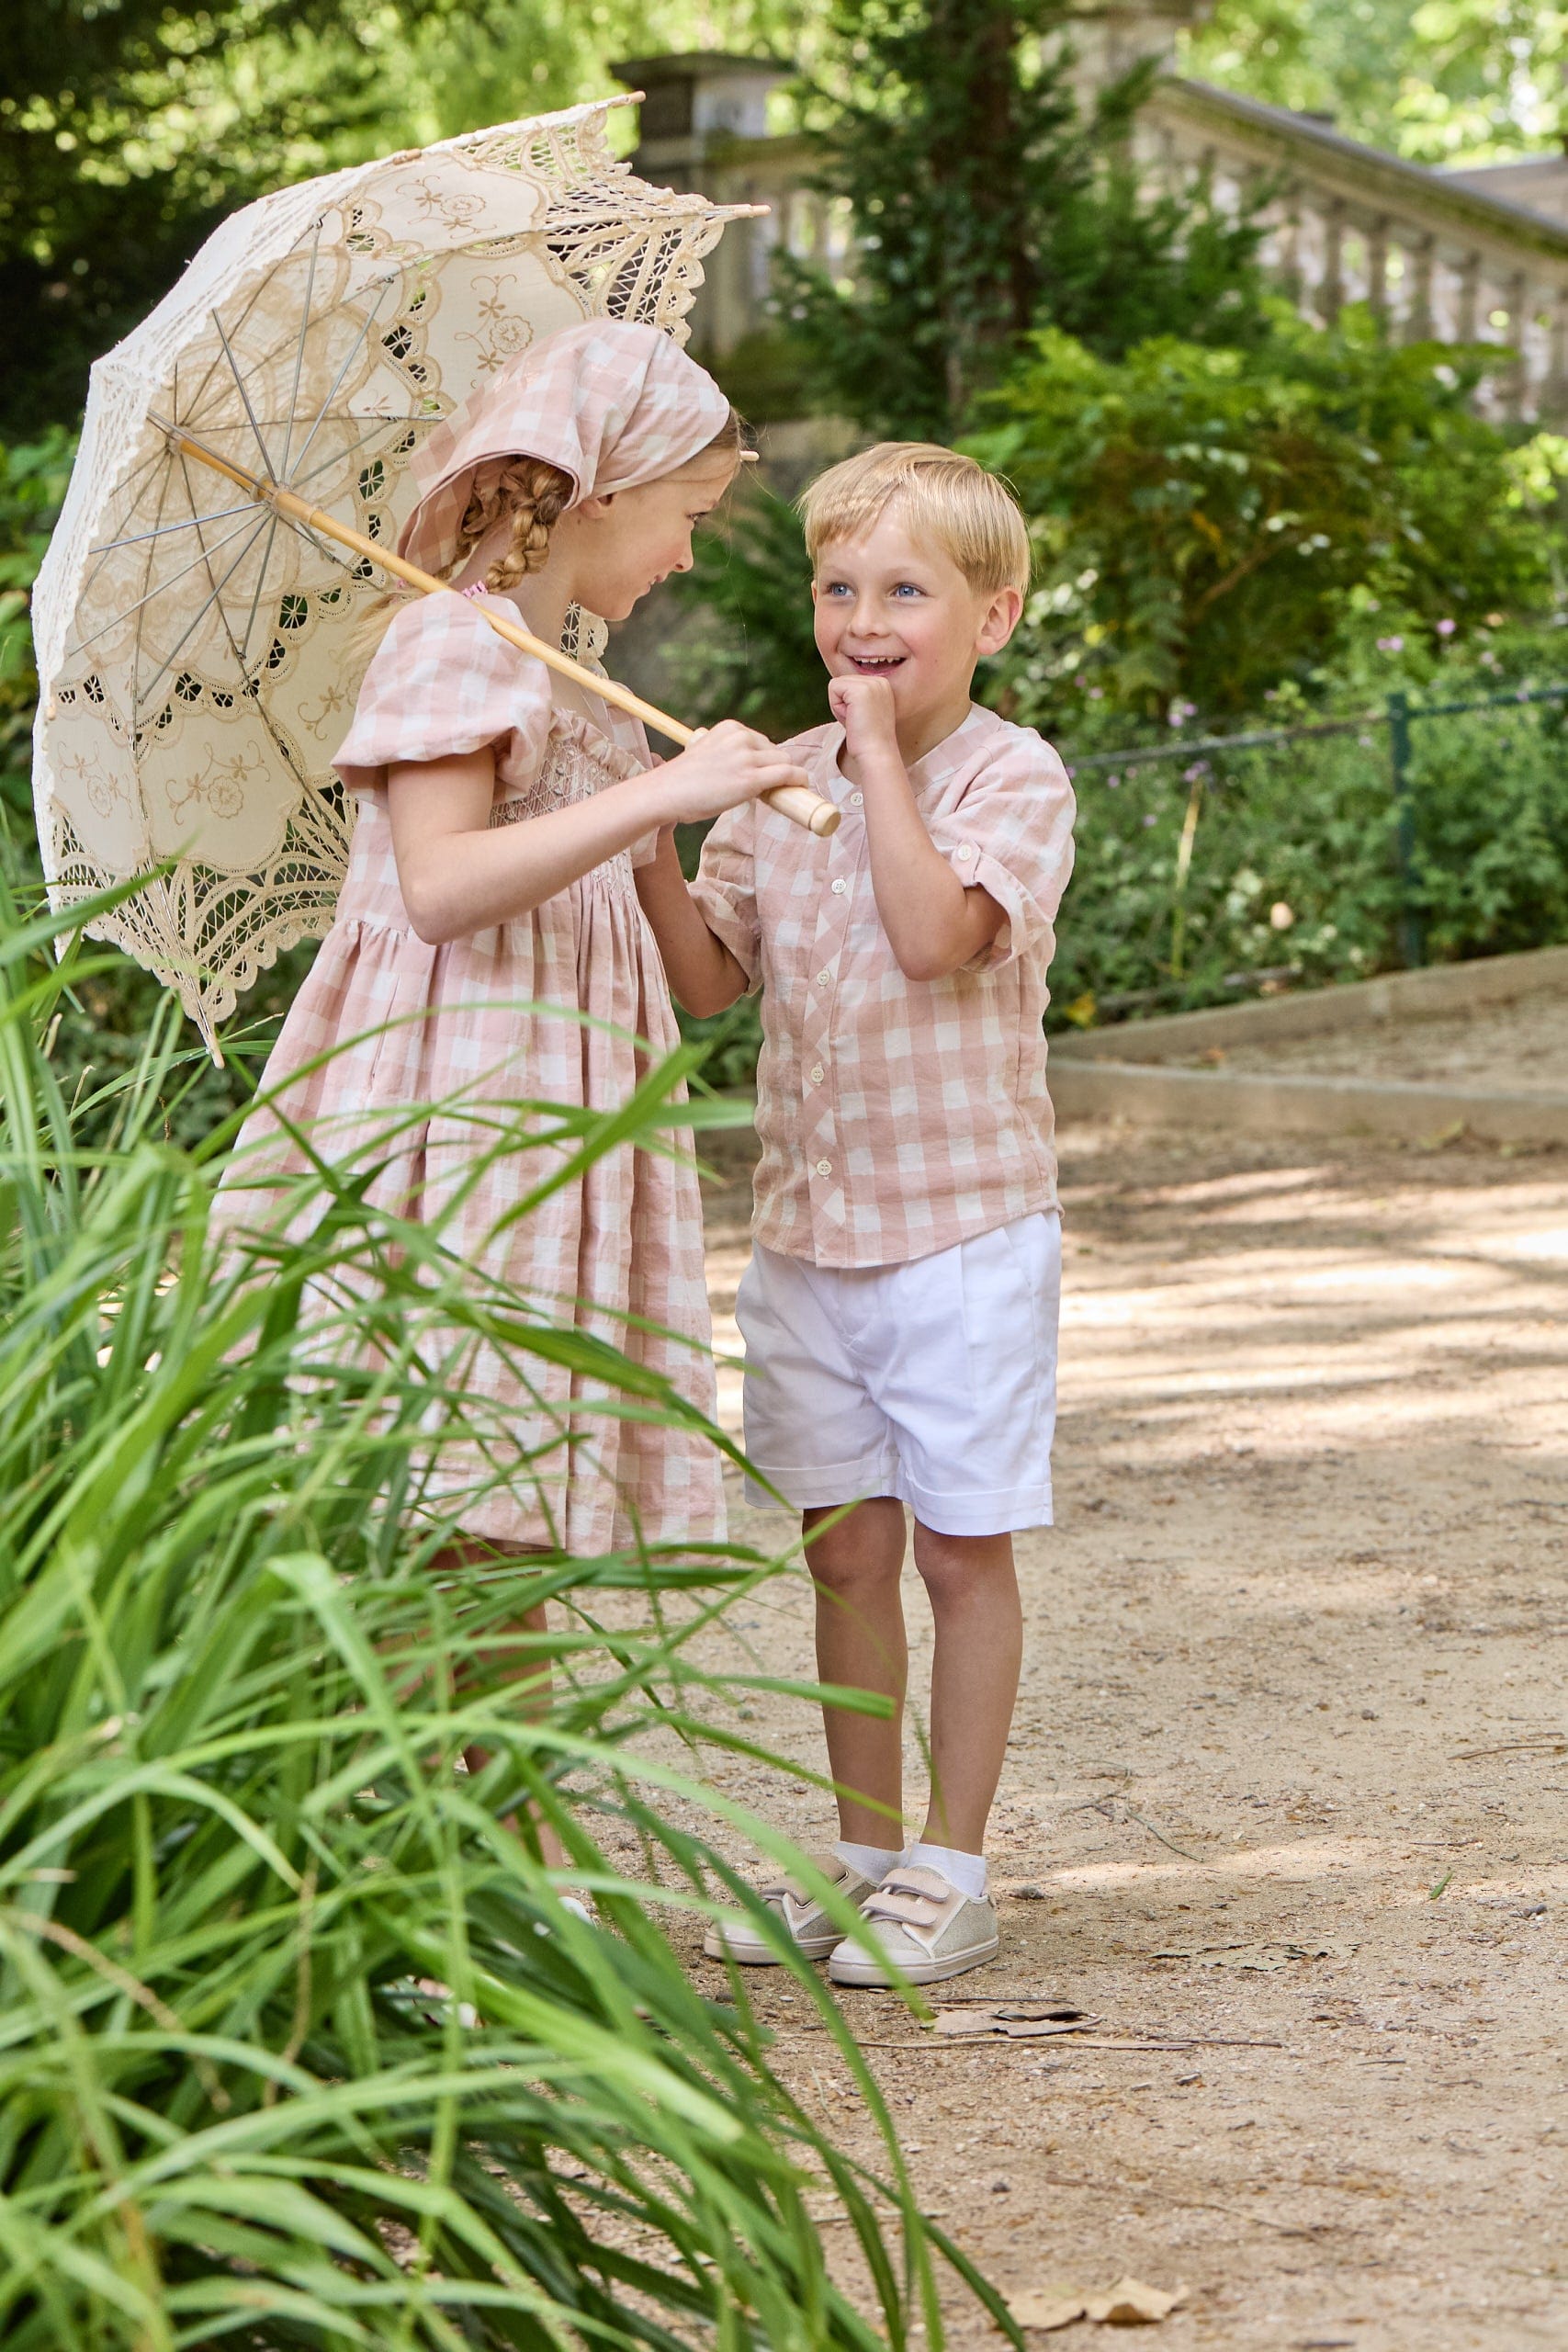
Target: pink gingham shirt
[{"x": 897, "y": 1116}]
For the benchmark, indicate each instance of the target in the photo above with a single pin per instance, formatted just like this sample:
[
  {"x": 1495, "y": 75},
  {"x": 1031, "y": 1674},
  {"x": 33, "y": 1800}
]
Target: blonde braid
[{"x": 538, "y": 494}]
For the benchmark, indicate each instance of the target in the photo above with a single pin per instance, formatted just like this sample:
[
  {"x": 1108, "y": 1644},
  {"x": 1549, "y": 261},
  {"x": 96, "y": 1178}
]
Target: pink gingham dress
[{"x": 618, "y": 1252}]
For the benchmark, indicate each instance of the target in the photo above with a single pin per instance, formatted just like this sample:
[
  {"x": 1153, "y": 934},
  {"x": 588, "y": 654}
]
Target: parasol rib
[
  {"x": 795, "y": 801},
  {"x": 173, "y": 579},
  {"x": 372, "y": 318},
  {"x": 244, "y": 397},
  {"x": 190, "y": 522}
]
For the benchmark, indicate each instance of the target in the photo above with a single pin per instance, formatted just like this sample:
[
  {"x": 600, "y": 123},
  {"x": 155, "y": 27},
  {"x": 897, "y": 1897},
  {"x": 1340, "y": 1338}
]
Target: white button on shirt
[
  {"x": 824, "y": 1167},
  {"x": 840, "y": 887}
]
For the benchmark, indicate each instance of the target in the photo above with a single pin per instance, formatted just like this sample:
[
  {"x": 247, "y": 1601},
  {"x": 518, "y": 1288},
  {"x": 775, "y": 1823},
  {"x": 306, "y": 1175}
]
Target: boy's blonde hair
[{"x": 972, "y": 515}]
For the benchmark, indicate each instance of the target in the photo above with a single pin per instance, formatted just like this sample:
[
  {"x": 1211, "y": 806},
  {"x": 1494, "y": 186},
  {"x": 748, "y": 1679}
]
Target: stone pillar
[
  {"x": 1331, "y": 286},
  {"x": 1421, "y": 254},
  {"x": 1377, "y": 266},
  {"x": 1554, "y": 391},
  {"x": 1109, "y": 37},
  {"x": 695, "y": 108}
]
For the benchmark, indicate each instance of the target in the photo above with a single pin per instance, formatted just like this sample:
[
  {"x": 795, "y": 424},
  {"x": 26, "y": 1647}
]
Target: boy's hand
[
  {"x": 864, "y": 709},
  {"x": 722, "y": 765}
]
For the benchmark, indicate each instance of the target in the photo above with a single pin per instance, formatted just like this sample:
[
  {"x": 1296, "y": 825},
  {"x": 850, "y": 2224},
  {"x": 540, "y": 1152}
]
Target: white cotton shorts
[{"x": 934, "y": 1380}]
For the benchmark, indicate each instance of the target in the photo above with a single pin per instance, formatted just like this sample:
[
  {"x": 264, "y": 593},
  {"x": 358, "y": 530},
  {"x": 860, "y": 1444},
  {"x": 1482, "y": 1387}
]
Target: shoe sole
[
  {"x": 871, "y": 1976},
  {"x": 761, "y": 1955}
]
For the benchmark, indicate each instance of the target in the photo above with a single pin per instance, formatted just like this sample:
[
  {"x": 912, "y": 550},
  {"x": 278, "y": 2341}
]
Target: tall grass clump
[{"x": 299, "y": 2045}]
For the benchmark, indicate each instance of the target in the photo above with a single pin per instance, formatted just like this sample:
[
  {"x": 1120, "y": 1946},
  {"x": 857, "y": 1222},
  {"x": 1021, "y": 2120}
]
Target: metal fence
[{"x": 1452, "y": 839}]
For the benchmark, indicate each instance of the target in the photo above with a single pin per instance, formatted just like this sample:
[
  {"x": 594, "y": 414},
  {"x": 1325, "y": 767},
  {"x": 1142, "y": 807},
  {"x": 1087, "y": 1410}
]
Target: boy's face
[{"x": 892, "y": 606}]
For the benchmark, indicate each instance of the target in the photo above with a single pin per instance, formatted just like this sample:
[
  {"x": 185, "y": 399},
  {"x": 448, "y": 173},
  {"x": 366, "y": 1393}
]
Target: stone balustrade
[
  {"x": 1437, "y": 254},
  {"x": 1433, "y": 252}
]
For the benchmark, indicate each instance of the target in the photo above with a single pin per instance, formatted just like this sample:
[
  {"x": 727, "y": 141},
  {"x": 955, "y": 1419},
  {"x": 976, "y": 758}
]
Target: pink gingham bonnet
[{"x": 611, "y": 403}]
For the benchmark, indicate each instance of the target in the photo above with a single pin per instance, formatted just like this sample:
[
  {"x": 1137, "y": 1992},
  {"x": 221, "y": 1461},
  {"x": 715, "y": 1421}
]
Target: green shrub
[
  {"x": 1292, "y": 865},
  {"x": 249, "y": 1902},
  {"x": 1211, "y": 524}
]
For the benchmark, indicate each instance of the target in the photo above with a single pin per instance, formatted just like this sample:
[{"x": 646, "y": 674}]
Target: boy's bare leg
[
  {"x": 861, "y": 1645},
  {"x": 979, "y": 1643}
]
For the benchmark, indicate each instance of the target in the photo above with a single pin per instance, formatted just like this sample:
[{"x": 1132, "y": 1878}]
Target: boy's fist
[{"x": 864, "y": 709}]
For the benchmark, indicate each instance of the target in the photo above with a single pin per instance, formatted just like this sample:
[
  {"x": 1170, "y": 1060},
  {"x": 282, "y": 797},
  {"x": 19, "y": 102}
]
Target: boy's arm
[
  {"x": 935, "y": 924},
  {"x": 702, "y": 974}
]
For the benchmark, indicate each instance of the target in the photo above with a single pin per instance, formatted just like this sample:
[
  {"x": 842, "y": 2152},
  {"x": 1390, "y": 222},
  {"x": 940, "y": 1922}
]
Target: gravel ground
[{"x": 1287, "y": 1804}]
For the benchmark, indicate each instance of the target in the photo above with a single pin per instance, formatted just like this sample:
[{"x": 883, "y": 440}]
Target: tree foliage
[
  {"x": 1210, "y": 523},
  {"x": 985, "y": 202},
  {"x": 1445, "y": 80},
  {"x": 127, "y": 130}
]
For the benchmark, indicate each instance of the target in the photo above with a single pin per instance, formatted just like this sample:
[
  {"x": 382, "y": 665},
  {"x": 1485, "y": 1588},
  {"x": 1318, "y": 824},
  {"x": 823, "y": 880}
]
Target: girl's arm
[
  {"x": 458, "y": 875},
  {"x": 702, "y": 974}
]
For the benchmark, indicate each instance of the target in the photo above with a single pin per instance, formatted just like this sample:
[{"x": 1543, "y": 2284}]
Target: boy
[{"x": 899, "y": 1312}]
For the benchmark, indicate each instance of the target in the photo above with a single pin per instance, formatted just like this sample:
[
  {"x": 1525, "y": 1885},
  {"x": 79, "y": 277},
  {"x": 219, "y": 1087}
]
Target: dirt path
[{"x": 1281, "y": 1774}]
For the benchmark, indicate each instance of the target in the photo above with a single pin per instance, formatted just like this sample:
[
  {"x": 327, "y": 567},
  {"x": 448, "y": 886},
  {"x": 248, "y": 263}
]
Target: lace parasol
[{"x": 196, "y": 647}]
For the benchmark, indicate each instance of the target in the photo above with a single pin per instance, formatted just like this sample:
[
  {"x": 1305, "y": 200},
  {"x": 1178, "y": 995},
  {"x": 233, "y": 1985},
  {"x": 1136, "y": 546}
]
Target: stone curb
[
  {"x": 1152, "y": 1095},
  {"x": 1315, "y": 1012}
]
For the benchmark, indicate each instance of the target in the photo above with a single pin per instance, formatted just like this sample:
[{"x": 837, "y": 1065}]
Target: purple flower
[
  {"x": 1199, "y": 768},
  {"x": 1446, "y": 628},
  {"x": 1391, "y": 645},
  {"x": 1151, "y": 820}
]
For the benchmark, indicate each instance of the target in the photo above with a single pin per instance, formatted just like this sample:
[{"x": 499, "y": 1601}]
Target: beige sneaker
[
  {"x": 924, "y": 1926},
  {"x": 735, "y": 1937}
]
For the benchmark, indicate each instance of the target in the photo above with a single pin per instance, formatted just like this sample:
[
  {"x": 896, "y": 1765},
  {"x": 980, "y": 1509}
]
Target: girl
[{"x": 490, "y": 882}]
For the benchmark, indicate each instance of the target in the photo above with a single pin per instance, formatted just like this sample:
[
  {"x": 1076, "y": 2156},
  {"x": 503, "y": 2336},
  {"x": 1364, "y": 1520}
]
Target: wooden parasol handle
[{"x": 802, "y": 806}]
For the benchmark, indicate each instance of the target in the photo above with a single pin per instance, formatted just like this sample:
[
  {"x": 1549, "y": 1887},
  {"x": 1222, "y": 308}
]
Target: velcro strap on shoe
[{"x": 906, "y": 1901}]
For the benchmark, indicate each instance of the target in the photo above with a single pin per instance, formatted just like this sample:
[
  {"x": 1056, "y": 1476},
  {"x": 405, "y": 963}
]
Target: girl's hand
[
  {"x": 864, "y": 709},
  {"x": 722, "y": 765}
]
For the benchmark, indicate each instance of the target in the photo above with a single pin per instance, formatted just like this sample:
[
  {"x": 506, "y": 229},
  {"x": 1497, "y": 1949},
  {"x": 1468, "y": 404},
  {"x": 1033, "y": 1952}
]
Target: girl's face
[{"x": 628, "y": 543}]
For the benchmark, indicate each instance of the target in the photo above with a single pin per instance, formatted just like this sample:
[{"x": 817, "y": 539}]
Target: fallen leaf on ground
[
  {"x": 1132, "y": 2304},
  {"x": 1019, "y": 2023},
  {"x": 1049, "y": 2306}
]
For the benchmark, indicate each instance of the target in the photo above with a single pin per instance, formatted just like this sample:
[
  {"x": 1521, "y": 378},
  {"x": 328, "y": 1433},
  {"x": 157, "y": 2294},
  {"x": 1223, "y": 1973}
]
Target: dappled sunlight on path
[{"x": 1285, "y": 1788}]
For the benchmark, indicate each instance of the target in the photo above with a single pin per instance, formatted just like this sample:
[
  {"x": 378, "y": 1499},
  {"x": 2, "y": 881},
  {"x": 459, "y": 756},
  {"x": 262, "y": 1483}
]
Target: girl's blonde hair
[
  {"x": 535, "y": 495},
  {"x": 947, "y": 499}
]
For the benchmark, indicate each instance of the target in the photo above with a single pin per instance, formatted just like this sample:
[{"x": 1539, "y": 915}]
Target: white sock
[
  {"x": 965, "y": 1872},
  {"x": 871, "y": 1862}
]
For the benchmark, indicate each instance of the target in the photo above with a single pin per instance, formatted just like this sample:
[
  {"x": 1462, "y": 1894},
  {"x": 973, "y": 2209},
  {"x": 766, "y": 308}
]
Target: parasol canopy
[{"x": 244, "y": 462}]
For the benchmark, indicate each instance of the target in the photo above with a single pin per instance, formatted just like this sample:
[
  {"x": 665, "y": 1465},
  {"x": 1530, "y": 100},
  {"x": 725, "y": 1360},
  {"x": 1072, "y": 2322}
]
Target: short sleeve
[
  {"x": 725, "y": 888},
  {"x": 1011, "y": 834},
  {"x": 441, "y": 682}
]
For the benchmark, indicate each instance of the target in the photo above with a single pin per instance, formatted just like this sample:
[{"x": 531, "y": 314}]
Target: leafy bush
[
  {"x": 1291, "y": 863},
  {"x": 250, "y": 1902},
  {"x": 1213, "y": 522}
]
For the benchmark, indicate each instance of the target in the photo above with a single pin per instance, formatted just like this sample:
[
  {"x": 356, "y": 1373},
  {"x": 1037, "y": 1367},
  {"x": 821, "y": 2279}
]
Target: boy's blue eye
[{"x": 907, "y": 588}]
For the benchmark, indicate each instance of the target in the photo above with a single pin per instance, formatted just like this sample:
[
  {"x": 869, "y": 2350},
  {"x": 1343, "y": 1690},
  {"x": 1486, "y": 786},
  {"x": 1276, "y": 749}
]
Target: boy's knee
[
  {"x": 859, "y": 1553},
  {"x": 954, "y": 1567}
]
